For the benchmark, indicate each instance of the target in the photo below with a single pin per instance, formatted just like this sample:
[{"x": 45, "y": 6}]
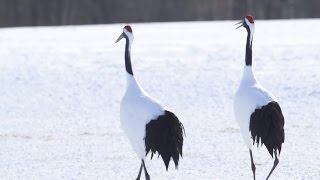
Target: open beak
[
  {"x": 240, "y": 24},
  {"x": 119, "y": 38}
]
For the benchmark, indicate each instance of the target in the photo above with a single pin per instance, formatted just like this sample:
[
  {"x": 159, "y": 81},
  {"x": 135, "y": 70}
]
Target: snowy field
[{"x": 60, "y": 89}]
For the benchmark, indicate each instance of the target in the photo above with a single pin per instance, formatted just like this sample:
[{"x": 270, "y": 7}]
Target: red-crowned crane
[
  {"x": 149, "y": 125},
  {"x": 256, "y": 110}
]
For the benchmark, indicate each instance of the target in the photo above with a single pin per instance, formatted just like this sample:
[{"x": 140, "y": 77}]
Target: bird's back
[
  {"x": 136, "y": 110},
  {"x": 247, "y": 99}
]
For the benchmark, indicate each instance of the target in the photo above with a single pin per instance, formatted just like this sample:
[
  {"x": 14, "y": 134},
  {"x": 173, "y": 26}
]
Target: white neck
[
  {"x": 251, "y": 27},
  {"x": 133, "y": 85},
  {"x": 248, "y": 75},
  {"x": 251, "y": 35},
  {"x": 130, "y": 37}
]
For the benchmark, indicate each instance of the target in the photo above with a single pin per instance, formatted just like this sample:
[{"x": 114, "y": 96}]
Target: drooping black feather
[
  {"x": 266, "y": 126},
  {"x": 165, "y": 136}
]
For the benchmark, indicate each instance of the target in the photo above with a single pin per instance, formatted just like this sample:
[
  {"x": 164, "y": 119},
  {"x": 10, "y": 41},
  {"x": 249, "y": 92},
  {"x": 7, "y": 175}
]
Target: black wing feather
[
  {"x": 266, "y": 126},
  {"x": 165, "y": 136}
]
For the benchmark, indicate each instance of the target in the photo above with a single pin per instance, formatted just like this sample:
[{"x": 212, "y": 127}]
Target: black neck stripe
[
  {"x": 127, "y": 57},
  {"x": 248, "y": 48}
]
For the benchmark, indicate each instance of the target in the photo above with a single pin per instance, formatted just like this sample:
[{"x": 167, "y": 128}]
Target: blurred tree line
[{"x": 67, "y": 12}]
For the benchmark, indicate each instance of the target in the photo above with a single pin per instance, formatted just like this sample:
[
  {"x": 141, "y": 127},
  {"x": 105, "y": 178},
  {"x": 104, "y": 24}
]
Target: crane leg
[
  {"x": 253, "y": 167},
  {"x": 276, "y": 162},
  {"x": 138, "y": 178},
  {"x": 145, "y": 171}
]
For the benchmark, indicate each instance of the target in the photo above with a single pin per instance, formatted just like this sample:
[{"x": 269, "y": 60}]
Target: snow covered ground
[{"x": 60, "y": 89}]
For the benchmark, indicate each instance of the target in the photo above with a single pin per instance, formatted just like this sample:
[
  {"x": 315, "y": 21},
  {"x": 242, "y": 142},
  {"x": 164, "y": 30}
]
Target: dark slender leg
[
  {"x": 253, "y": 167},
  {"x": 276, "y": 162},
  {"x": 145, "y": 171},
  {"x": 138, "y": 178}
]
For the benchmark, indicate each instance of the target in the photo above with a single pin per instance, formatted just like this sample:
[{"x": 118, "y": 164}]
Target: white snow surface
[{"x": 61, "y": 87}]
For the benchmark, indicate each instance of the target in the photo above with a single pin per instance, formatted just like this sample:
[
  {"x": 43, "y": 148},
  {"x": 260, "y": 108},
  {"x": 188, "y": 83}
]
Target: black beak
[
  {"x": 240, "y": 24},
  {"x": 119, "y": 38}
]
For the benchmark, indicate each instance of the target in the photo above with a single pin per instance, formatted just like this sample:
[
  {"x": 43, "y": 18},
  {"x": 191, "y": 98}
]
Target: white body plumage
[
  {"x": 136, "y": 110},
  {"x": 249, "y": 97}
]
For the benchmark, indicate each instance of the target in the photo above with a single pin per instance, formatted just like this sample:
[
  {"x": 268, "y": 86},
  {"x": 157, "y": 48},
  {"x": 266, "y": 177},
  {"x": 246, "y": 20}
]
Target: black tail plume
[{"x": 165, "y": 136}]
